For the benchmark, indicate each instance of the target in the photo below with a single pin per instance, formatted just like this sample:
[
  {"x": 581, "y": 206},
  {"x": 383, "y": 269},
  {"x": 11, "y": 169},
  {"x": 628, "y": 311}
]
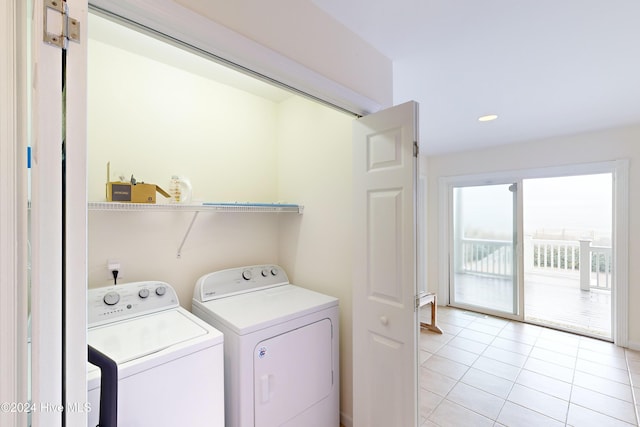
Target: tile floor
[{"x": 486, "y": 371}]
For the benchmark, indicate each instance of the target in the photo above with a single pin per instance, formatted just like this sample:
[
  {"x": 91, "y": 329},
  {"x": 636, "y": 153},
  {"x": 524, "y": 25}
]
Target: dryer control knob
[
  {"x": 246, "y": 275},
  {"x": 161, "y": 290},
  {"x": 265, "y": 272},
  {"x": 111, "y": 298},
  {"x": 143, "y": 293},
  {"x": 274, "y": 271}
]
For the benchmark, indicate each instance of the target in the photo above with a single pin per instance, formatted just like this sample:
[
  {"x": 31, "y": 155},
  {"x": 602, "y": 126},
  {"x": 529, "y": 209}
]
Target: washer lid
[
  {"x": 135, "y": 338},
  {"x": 249, "y": 312}
]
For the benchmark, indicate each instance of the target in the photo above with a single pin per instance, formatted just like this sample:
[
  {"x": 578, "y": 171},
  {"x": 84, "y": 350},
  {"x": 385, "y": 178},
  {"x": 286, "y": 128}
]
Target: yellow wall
[
  {"x": 314, "y": 168},
  {"x": 153, "y": 120}
]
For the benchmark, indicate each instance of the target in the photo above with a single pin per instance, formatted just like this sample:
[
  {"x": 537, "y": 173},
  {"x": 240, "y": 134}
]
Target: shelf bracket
[{"x": 184, "y": 239}]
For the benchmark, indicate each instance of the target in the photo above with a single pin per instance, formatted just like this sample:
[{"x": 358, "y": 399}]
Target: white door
[
  {"x": 385, "y": 321},
  {"x": 484, "y": 238},
  {"x": 58, "y": 219}
]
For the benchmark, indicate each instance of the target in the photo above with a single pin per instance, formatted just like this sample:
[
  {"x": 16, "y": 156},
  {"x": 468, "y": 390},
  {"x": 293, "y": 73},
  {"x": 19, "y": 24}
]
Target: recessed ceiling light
[{"x": 487, "y": 118}]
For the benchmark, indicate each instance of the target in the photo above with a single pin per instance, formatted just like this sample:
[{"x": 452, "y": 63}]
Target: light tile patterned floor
[{"x": 486, "y": 371}]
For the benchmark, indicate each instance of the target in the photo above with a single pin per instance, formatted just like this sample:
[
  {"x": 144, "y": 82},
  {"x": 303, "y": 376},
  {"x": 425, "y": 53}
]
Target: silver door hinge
[
  {"x": 59, "y": 28},
  {"x": 416, "y": 149}
]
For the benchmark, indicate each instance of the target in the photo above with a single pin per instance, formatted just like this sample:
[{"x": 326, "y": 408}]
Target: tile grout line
[
  {"x": 533, "y": 346},
  {"x": 458, "y": 381},
  {"x": 513, "y": 383},
  {"x": 520, "y": 370},
  {"x": 633, "y": 392}
]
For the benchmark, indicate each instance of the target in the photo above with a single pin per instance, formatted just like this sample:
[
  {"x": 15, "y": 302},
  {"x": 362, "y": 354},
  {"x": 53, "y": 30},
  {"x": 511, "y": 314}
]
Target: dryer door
[{"x": 293, "y": 372}]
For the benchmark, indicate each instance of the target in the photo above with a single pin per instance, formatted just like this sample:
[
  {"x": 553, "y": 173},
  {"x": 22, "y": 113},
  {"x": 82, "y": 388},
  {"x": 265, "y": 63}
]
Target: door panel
[
  {"x": 383, "y": 268},
  {"x": 46, "y": 224},
  {"x": 567, "y": 253},
  {"x": 484, "y": 256},
  {"x": 75, "y": 261},
  {"x": 58, "y": 220},
  {"x": 384, "y": 285}
]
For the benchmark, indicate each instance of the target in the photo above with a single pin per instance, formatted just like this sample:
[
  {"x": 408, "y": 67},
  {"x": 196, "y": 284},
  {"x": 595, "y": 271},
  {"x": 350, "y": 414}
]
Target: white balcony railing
[
  {"x": 488, "y": 257},
  {"x": 495, "y": 258}
]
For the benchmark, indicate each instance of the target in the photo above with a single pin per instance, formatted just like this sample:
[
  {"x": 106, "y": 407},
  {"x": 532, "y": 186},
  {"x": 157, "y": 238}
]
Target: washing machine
[
  {"x": 170, "y": 363},
  {"x": 281, "y": 347}
]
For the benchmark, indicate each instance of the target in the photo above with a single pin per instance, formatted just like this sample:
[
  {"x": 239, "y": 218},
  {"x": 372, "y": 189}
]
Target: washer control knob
[
  {"x": 111, "y": 298},
  {"x": 143, "y": 293},
  {"x": 265, "y": 272},
  {"x": 161, "y": 290},
  {"x": 246, "y": 275},
  {"x": 274, "y": 271}
]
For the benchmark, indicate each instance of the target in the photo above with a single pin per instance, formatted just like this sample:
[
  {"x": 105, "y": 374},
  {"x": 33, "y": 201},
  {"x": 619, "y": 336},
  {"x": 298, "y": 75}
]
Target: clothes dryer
[
  {"x": 281, "y": 347},
  {"x": 170, "y": 363}
]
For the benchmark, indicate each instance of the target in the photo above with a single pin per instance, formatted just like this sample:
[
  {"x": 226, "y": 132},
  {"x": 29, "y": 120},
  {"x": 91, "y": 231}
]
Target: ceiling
[{"x": 545, "y": 67}]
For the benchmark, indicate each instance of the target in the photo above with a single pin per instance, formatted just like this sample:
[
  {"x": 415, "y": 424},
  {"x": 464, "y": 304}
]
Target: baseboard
[
  {"x": 346, "y": 420},
  {"x": 633, "y": 345}
]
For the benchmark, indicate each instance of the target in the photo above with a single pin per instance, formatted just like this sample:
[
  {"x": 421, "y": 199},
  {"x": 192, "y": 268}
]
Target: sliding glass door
[
  {"x": 484, "y": 240},
  {"x": 551, "y": 249},
  {"x": 568, "y": 252}
]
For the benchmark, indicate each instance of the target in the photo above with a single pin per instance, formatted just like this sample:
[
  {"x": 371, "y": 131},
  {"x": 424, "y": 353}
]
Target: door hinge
[
  {"x": 59, "y": 28},
  {"x": 416, "y": 149}
]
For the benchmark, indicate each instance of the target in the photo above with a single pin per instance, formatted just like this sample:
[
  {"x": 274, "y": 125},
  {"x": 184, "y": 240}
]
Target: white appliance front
[
  {"x": 281, "y": 349},
  {"x": 292, "y": 372},
  {"x": 162, "y": 351}
]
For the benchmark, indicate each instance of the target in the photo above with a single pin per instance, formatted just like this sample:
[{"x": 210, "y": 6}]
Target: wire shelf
[{"x": 201, "y": 207}]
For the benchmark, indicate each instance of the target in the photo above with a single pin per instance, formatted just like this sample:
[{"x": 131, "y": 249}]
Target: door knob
[{"x": 384, "y": 320}]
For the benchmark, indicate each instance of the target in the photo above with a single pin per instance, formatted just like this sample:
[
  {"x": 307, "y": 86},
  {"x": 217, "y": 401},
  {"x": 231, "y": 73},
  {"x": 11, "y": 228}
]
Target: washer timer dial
[{"x": 111, "y": 298}]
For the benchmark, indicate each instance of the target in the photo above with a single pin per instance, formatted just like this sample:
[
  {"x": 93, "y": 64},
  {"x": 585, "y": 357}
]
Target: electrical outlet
[{"x": 114, "y": 264}]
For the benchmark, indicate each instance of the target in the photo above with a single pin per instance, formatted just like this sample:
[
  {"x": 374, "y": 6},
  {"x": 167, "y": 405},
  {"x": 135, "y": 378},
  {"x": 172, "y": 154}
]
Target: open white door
[
  {"x": 46, "y": 223},
  {"x": 385, "y": 320},
  {"x": 58, "y": 215},
  {"x": 75, "y": 237}
]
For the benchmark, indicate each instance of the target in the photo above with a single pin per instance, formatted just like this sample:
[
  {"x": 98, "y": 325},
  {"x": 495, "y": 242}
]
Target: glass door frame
[
  {"x": 620, "y": 280},
  {"x": 517, "y": 276}
]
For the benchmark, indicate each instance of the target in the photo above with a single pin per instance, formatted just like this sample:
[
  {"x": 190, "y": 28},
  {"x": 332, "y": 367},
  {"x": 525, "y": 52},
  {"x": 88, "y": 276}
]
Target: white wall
[{"x": 622, "y": 143}]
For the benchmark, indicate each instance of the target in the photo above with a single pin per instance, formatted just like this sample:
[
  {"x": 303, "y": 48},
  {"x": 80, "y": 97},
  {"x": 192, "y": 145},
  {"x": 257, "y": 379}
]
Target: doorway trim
[
  {"x": 620, "y": 278},
  {"x": 13, "y": 252}
]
